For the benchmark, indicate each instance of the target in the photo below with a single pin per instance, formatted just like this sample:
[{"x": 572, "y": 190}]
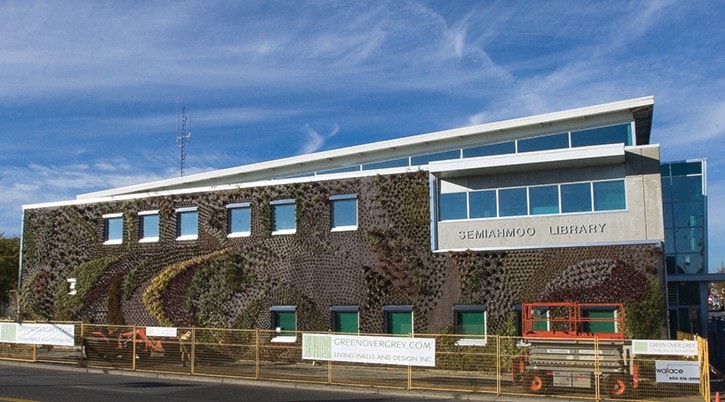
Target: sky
[{"x": 89, "y": 89}]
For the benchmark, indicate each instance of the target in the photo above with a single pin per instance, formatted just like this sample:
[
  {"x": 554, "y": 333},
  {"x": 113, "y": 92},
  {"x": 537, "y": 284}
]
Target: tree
[{"x": 9, "y": 264}]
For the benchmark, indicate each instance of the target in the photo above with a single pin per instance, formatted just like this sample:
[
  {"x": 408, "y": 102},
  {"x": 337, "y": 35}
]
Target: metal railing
[{"x": 597, "y": 370}]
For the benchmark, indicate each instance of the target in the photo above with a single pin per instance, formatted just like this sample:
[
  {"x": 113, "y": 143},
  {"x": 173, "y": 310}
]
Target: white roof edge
[{"x": 386, "y": 144}]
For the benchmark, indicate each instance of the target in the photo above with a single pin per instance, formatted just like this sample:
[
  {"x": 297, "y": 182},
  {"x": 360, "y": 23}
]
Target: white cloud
[{"x": 314, "y": 141}]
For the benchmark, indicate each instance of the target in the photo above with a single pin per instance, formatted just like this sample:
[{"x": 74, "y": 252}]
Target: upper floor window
[
  {"x": 148, "y": 226},
  {"x": 343, "y": 211},
  {"x": 470, "y": 320},
  {"x": 239, "y": 219},
  {"x": 187, "y": 223},
  {"x": 284, "y": 217},
  {"x": 113, "y": 228}
]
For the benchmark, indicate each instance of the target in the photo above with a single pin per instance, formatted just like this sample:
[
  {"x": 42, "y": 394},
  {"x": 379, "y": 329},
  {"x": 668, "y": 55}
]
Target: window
[
  {"x": 239, "y": 220},
  {"x": 609, "y": 195},
  {"x": 470, "y": 320},
  {"x": 489, "y": 150},
  {"x": 425, "y": 159},
  {"x": 555, "y": 141},
  {"x": 620, "y": 134},
  {"x": 482, "y": 204},
  {"x": 540, "y": 317},
  {"x": 343, "y": 211},
  {"x": 284, "y": 219},
  {"x": 452, "y": 206},
  {"x": 398, "y": 319},
  {"x": 345, "y": 319},
  {"x": 512, "y": 202},
  {"x": 113, "y": 229},
  {"x": 187, "y": 223},
  {"x": 576, "y": 197},
  {"x": 600, "y": 320},
  {"x": 284, "y": 323},
  {"x": 148, "y": 226},
  {"x": 544, "y": 200}
]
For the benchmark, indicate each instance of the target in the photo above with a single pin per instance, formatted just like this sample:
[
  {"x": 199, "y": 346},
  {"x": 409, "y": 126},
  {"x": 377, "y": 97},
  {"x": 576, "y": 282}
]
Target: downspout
[{"x": 20, "y": 266}]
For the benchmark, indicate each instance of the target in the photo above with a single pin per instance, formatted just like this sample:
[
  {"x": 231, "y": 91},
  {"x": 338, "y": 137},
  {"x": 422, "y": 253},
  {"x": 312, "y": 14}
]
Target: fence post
[
  {"x": 256, "y": 356},
  {"x": 597, "y": 372},
  {"x": 329, "y": 366},
  {"x": 133, "y": 350},
  {"x": 410, "y": 372},
  {"x": 192, "y": 359},
  {"x": 498, "y": 365}
]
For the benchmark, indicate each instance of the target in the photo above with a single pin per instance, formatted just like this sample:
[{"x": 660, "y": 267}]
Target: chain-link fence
[{"x": 573, "y": 369}]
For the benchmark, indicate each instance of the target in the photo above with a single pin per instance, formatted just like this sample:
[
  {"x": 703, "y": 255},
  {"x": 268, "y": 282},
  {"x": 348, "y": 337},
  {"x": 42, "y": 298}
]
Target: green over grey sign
[{"x": 369, "y": 349}]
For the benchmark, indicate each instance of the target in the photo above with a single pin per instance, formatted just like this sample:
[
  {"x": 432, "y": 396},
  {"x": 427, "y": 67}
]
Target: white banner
[
  {"x": 664, "y": 348},
  {"x": 369, "y": 349},
  {"x": 161, "y": 331},
  {"x": 44, "y": 334},
  {"x": 677, "y": 371}
]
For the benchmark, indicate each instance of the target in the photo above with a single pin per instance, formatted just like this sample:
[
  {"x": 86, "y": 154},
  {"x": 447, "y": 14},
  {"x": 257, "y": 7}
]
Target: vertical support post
[
  {"x": 410, "y": 372},
  {"x": 498, "y": 365},
  {"x": 329, "y": 366},
  {"x": 192, "y": 362},
  {"x": 597, "y": 372},
  {"x": 256, "y": 356},
  {"x": 133, "y": 350}
]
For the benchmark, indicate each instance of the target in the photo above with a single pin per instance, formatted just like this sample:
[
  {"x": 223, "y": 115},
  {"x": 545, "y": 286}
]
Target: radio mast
[{"x": 183, "y": 133}]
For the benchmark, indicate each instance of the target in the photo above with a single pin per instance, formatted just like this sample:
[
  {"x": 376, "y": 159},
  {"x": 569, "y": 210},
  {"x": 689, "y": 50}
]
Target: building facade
[{"x": 446, "y": 232}]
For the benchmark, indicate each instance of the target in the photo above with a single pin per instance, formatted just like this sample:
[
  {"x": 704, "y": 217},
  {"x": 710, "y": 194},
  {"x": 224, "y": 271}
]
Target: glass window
[
  {"x": 284, "y": 321},
  {"x": 284, "y": 216},
  {"x": 689, "y": 263},
  {"x": 113, "y": 229},
  {"x": 355, "y": 168},
  {"x": 540, "y": 316},
  {"x": 398, "y": 319},
  {"x": 687, "y": 188},
  {"x": 687, "y": 215},
  {"x": 187, "y": 223},
  {"x": 425, "y": 159},
  {"x": 502, "y": 148},
  {"x": 609, "y": 195},
  {"x": 576, "y": 197},
  {"x": 387, "y": 164},
  {"x": 470, "y": 319},
  {"x": 686, "y": 168},
  {"x": 555, "y": 141},
  {"x": 345, "y": 319},
  {"x": 482, "y": 204},
  {"x": 148, "y": 226},
  {"x": 544, "y": 200},
  {"x": 343, "y": 210},
  {"x": 512, "y": 202},
  {"x": 452, "y": 206},
  {"x": 689, "y": 240},
  {"x": 619, "y": 134},
  {"x": 239, "y": 220}
]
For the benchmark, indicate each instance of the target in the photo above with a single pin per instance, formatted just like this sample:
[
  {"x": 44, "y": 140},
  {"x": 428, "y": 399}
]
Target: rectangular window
[
  {"x": 284, "y": 323},
  {"x": 113, "y": 228},
  {"x": 512, "y": 202},
  {"x": 502, "y": 148},
  {"x": 452, "y": 206},
  {"x": 284, "y": 217},
  {"x": 239, "y": 220},
  {"x": 387, "y": 164},
  {"x": 619, "y": 134},
  {"x": 482, "y": 204},
  {"x": 555, "y": 141},
  {"x": 343, "y": 211},
  {"x": 541, "y": 319},
  {"x": 470, "y": 320},
  {"x": 345, "y": 319},
  {"x": 187, "y": 223},
  {"x": 148, "y": 226},
  {"x": 544, "y": 200},
  {"x": 398, "y": 319},
  {"x": 609, "y": 195},
  {"x": 576, "y": 197},
  {"x": 425, "y": 159}
]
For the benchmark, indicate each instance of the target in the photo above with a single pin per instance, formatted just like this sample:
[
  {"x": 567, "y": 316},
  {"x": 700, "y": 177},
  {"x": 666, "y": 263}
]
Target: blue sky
[{"x": 88, "y": 89}]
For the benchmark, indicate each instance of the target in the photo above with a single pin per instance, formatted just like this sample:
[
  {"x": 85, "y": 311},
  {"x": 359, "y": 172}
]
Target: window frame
[
  {"x": 180, "y": 213},
  {"x": 107, "y": 226},
  {"x": 246, "y": 206},
  {"x": 142, "y": 216},
  {"x": 338, "y": 199},
  {"x": 470, "y": 339},
  {"x": 389, "y": 312},
  {"x": 335, "y": 311},
  {"x": 281, "y": 203},
  {"x": 281, "y": 334}
]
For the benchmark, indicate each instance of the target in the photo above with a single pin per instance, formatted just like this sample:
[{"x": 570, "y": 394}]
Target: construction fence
[{"x": 597, "y": 370}]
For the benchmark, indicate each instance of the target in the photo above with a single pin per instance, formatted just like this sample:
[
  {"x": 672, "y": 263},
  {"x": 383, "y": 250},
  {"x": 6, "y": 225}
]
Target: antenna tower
[{"x": 183, "y": 133}]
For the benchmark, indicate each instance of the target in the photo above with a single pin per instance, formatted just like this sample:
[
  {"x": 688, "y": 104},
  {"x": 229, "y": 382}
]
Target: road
[{"x": 24, "y": 382}]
